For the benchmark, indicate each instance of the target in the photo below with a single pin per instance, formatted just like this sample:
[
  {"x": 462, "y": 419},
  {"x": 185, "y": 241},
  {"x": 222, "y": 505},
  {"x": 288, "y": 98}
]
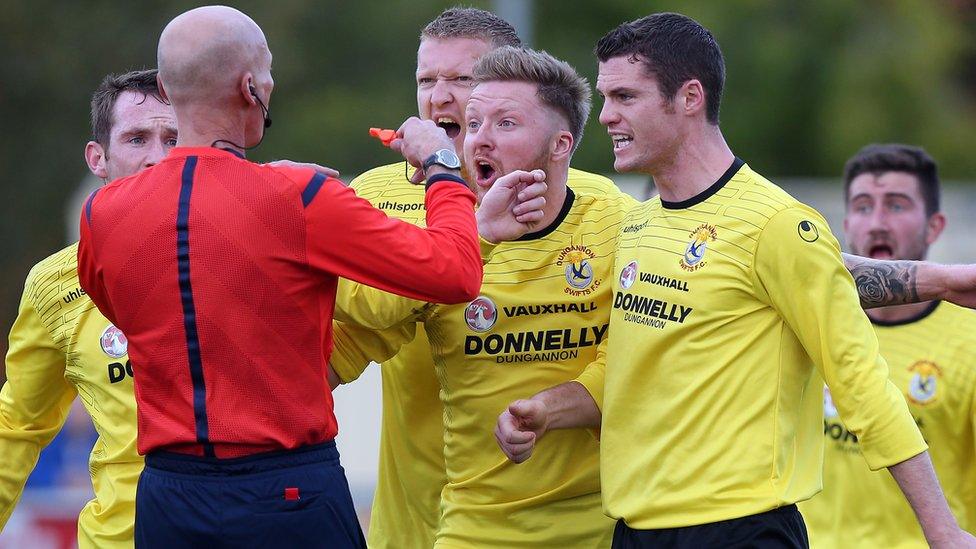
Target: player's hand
[
  {"x": 519, "y": 427},
  {"x": 960, "y": 285},
  {"x": 512, "y": 206},
  {"x": 417, "y": 139},
  {"x": 326, "y": 171}
]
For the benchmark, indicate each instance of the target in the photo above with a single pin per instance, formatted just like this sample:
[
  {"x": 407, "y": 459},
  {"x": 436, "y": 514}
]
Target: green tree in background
[{"x": 808, "y": 83}]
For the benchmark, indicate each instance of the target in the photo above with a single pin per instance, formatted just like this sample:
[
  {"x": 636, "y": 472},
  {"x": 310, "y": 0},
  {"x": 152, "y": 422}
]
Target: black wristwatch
[{"x": 443, "y": 157}]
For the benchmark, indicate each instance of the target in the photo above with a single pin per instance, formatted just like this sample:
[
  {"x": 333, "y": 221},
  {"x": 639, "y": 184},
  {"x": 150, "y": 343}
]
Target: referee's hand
[
  {"x": 417, "y": 139},
  {"x": 519, "y": 427}
]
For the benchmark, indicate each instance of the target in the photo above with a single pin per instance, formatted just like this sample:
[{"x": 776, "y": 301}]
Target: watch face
[
  {"x": 448, "y": 158},
  {"x": 444, "y": 157}
]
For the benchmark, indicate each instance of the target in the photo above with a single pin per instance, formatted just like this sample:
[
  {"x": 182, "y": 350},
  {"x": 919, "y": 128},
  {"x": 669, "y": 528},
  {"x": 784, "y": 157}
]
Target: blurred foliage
[{"x": 808, "y": 83}]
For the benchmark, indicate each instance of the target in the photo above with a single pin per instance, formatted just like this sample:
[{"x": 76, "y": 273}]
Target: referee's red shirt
[{"x": 222, "y": 275}]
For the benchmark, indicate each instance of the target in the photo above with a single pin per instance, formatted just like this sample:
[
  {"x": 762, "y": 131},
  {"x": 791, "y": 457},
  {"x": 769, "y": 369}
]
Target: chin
[{"x": 624, "y": 166}]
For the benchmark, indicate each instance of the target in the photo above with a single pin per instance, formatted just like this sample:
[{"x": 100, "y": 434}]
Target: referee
[{"x": 222, "y": 274}]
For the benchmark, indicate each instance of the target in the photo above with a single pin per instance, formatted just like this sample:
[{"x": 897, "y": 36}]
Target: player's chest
[
  {"x": 669, "y": 266},
  {"x": 97, "y": 355},
  {"x": 542, "y": 307}
]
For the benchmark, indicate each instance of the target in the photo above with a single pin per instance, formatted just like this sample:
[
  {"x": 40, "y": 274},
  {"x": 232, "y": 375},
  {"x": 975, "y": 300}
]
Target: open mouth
[
  {"x": 881, "y": 251},
  {"x": 485, "y": 173},
  {"x": 451, "y": 126},
  {"x": 621, "y": 141}
]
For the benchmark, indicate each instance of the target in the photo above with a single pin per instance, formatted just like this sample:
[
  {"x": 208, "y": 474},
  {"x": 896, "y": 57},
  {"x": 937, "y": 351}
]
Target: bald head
[{"x": 204, "y": 53}]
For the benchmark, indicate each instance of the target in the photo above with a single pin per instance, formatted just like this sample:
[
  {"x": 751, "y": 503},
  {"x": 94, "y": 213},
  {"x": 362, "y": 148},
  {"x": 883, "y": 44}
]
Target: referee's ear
[{"x": 95, "y": 158}]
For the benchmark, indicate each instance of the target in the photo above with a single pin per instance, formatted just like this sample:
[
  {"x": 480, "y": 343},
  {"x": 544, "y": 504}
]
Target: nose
[
  {"x": 441, "y": 94},
  {"x": 608, "y": 115},
  {"x": 155, "y": 154},
  {"x": 478, "y": 139},
  {"x": 879, "y": 218}
]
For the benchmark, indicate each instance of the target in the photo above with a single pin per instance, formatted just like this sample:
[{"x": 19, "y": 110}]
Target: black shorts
[{"x": 781, "y": 528}]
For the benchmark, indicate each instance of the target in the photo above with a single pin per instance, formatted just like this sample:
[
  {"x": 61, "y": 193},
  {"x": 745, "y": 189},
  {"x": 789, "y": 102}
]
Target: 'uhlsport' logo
[
  {"x": 924, "y": 385},
  {"x": 695, "y": 251},
  {"x": 114, "y": 342},
  {"x": 807, "y": 231},
  {"x": 628, "y": 275},
  {"x": 481, "y": 314}
]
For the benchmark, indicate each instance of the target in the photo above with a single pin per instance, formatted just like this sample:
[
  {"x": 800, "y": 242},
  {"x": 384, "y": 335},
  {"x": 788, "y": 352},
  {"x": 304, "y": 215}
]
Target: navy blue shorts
[
  {"x": 297, "y": 498},
  {"x": 781, "y": 528}
]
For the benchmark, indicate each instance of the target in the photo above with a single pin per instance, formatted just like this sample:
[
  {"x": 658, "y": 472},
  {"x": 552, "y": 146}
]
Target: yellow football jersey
[
  {"x": 60, "y": 347},
  {"x": 539, "y": 321},
  {"x": 725, "y": 305},
  {"x": 933, "y": 363},
  {"x": 406, "y": 503}
]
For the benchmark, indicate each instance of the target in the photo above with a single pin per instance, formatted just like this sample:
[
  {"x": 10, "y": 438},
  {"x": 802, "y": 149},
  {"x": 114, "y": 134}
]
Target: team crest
[
  {"x": 924, "y": 384},
  {"x": 830, "y": 411},
  {"x": 695, "y": 251},
  {"x": 628, "y": 275},
  {"x": 480, "y": 315},
  {"x": 578, "y": 270},
  {"x": 114, "y": 343}
]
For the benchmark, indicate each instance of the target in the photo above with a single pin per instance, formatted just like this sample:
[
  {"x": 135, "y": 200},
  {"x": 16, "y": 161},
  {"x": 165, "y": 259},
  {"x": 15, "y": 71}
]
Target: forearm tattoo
[{"x": 883, "y": 283}]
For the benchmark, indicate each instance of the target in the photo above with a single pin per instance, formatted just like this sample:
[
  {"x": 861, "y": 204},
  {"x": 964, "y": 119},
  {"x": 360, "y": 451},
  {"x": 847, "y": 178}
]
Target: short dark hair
[
  {"x": 559, "y": 86},
  {"x": 458, "y": 22},
  {"x": 673, "y": 49},
  {"x": 895, "y": 157},
  {"x": 108, "y": 92}
]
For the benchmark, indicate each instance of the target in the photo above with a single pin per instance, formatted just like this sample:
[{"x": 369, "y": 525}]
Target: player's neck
[
  {"x": 698, "y": 163},
  {"x": 898, "y": 313},
  {"x": 555, "y": 195}
]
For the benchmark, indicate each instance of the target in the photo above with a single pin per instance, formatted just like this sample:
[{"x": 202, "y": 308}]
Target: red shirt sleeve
[{"x": 441, "y": 264}]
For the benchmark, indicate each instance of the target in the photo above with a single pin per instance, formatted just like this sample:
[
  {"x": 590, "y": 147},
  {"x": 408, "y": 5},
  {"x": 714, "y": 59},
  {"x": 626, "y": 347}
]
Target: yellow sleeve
[
  {"x": 34, "y": 403},
  {"x": 355, "y": 347},
  {"x": 799, "y": 269},
  {"x": 371, "y": 308},
  {"x": 592, "y": 377}
]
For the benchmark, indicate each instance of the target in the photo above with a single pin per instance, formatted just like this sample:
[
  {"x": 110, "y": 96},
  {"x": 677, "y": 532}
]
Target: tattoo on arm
[{"x": 883, "y": 283}]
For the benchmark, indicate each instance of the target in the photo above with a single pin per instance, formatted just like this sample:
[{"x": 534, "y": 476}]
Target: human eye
[
  {"x": 137, "y": 140},
  {"x": 473, "y": 125},
  {"x": 897, "y": 207},
  {"x": 862, "y": 208},
  {"x": 425, "y": 81}
]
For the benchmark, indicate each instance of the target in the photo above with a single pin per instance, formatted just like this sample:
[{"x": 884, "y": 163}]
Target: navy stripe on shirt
[
  {"x": 88, "y": 204},
  {"x": 189, "y": 310},
  {"x": 312, "y": 189}
]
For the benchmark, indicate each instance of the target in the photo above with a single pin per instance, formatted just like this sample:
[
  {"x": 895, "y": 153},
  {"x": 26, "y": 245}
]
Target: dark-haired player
[
  {"x": 61, "y": 346},
  {"x": 892, "y": 193}
]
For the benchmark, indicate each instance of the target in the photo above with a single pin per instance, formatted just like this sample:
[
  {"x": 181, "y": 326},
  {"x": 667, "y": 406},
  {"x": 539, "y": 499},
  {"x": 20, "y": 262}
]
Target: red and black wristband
[{"x": 438, "y": 177}]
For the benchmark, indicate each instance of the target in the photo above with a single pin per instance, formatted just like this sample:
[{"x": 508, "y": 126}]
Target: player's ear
[
  {"x": 934, "y": 227},
  {"x": 691, "y": 97},
  {"x": 95, "y": 158},
  {"x": 562, "y": 145}
]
